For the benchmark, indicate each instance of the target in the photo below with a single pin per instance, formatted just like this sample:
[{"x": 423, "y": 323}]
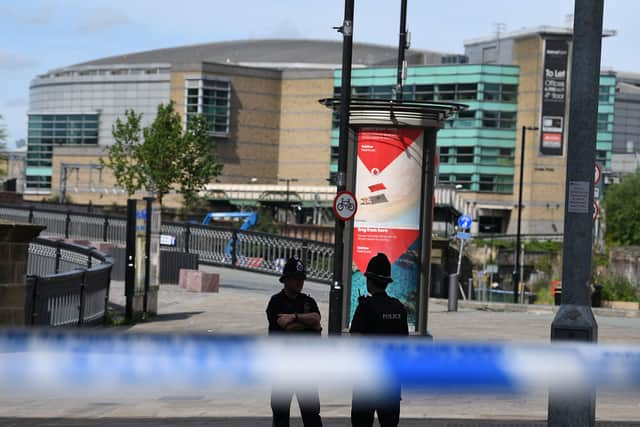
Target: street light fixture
[{"x": 516, "y": 264}]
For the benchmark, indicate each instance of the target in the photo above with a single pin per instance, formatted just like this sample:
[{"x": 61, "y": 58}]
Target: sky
[{"x": 40, "y": 35}]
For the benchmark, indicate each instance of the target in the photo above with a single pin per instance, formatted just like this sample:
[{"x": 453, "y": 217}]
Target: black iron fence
[
  {"x": 246, "y": 250},
  {"x": 67, "y": 284}
]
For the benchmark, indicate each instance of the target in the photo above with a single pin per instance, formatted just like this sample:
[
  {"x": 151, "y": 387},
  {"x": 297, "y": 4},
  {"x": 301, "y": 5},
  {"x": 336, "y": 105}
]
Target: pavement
[{"x": 238, "y": 308}]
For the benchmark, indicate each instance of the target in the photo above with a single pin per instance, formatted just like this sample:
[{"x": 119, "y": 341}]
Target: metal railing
[
  {"x": 246, "y": 250},
  {"x": 67, "y": 284},
  {"x": 250, "y": 250}
]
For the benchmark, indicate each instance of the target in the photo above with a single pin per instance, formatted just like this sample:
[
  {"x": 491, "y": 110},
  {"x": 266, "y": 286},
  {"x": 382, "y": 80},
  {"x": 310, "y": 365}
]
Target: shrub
[{"x": 617, "y": 288}]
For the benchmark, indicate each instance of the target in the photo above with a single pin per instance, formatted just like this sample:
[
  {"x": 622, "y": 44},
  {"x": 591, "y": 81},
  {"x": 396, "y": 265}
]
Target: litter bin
[
  {"x": 596, "y": 296},
  {"x": 557, "y": 296}
]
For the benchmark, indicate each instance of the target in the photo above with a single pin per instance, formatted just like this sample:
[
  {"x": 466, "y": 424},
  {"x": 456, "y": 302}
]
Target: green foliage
[
  {"x": 122, "y": 155},
  {"x": 543, "y": 246},
  {"x": 617, "y": 288},
  {"x": 266, "y": 223},
  {"x": 197, "y": 162},
  {"x": 544, "y": 264},
  {"x": 622, "y": 211},
  {"x": 157, "y": 157},
  {"x": 495, "y": 243},
  {"x": 543, "y": 295}
]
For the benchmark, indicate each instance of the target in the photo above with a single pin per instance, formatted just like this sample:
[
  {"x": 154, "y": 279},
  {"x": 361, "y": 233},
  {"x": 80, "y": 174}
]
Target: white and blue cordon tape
[{"x": 48, "y": 360}]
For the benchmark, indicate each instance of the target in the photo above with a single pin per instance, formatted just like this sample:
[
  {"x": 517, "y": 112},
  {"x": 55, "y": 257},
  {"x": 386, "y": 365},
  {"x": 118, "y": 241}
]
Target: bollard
[{"x": 453, "y": 292}]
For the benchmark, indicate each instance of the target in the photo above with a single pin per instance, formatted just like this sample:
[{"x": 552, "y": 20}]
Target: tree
[
  {"x": 197, "y": 161},
  {"x": 163, "y": 155},
  {"x": 622, "y": 211},
  {"x": 122, "y": 159},
  {"x": 158, "y": 156}
]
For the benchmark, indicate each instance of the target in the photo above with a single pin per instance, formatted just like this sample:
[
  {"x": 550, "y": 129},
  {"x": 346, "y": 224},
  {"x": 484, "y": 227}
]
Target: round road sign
[
  {"x": 345, "y": 205},
  {"x": 598, "y": 174}
]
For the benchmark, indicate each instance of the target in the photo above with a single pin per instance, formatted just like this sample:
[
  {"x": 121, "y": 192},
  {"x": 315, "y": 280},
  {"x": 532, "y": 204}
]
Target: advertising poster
[
  {"x": 554, "y": 91},
  {"x": 388, "y": 188}
]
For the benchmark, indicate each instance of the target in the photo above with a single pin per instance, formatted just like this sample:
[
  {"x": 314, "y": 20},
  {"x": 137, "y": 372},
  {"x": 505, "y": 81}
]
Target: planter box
[{"x": 622, "y": 305}]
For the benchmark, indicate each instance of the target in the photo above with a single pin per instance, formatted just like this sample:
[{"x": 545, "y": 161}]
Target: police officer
[
  {"x": 292, "y": 312},
  {"x": 378, "y": 314}
]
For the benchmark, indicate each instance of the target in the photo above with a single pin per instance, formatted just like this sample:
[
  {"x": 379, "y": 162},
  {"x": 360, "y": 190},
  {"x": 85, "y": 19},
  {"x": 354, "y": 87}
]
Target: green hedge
[{"x": 617, "y": 288}]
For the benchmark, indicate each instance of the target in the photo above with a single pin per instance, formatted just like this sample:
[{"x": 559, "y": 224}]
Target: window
[
  {"x": 499, "y": 119},
  {"x": 603, "y": 122},
  {"x": 382, "y": 92},
  {"x": 467, "y": 91},
  {"x": 465, "y": 155},
  {"x": 601, "y": 157},
  {"x": 424, "y": 92},
  {"x": 500, "y": 92},
  {"x": 333, "y": 178},
  {"x": 464, "y": 181},
  {"x": 446, "y": 92},
  {"x": 509, "y": 93},
  {"x": 47, "y": 130},
  {"x": 444, "y": 154},
  {"x": 487, "y": 183},
  {"x": 603, "y": 94},
  {"x": 335, "y": 153},
  {"x": 461, "y": 91},
  {"x": 466, "y": 119},
  {"x": 444, "y": 179},
  {"x": 212, "y": 99}
]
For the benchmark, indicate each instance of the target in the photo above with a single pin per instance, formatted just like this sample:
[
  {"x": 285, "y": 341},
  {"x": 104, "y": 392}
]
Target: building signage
[
  {"x": 388, "y": 188},
  {"x": 554, "y": 93}
]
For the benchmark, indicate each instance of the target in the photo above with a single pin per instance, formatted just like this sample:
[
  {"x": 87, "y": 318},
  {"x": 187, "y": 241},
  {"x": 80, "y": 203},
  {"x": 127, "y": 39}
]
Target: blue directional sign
[
  {"x": 463, "y": 236},
  {"x": 464, "y": 222}
]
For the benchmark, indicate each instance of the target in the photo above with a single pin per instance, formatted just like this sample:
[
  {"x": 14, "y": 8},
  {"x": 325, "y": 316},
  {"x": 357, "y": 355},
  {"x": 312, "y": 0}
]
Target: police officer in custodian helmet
[{"x": 378, "y": 314}]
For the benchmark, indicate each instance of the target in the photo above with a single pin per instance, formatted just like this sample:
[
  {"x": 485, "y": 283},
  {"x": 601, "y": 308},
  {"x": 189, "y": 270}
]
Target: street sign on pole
[
  {"x": 598, "y": 175},
  {"x": 464, "y": 222},
  {"x": 345, "y": 205}
]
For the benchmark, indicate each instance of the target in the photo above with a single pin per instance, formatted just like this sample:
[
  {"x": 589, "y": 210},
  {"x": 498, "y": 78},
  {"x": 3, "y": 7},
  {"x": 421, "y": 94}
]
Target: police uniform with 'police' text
[{"x": 378, "y": 314}]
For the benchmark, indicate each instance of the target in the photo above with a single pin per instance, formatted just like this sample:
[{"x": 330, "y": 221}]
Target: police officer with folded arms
[
  {"x": 378, "y": 314},
  {"x": 292, "y": 313}
]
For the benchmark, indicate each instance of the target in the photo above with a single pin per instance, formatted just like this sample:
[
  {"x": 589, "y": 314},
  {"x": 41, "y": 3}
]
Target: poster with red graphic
[{"x": 388, "y": 184}]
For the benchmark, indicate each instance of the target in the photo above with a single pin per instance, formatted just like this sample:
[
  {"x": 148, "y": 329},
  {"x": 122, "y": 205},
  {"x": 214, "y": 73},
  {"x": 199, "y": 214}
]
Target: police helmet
[
  {"x": 379, "y": 269},
  {"x": 293, "y": 268}
]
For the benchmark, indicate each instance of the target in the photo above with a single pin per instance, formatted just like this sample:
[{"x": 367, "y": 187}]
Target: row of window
[
  {"x": 479, "y": 155},
  {"x": 440, "y": 92},
  {"x": 212, "y": 99},
  {"x": 38, "y": 182},
  {"x": 47, "y": 130},
  {"x": 485, "y": 119},
  {"x": 481, "y": 183}
]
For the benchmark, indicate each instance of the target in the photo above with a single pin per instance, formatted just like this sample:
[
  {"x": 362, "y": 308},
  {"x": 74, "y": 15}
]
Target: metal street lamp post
[{"x": 516, "y": 264}]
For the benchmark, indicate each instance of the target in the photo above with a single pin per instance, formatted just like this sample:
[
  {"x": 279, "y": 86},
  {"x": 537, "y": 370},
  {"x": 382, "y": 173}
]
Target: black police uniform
[
  {"x": 308, "y": 400},
  {"x": 280, "y": 303},
  {"x": 378, "y": 314}
]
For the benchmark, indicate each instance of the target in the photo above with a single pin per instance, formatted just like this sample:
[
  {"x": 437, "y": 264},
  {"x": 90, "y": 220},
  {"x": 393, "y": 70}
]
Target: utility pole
[
  {"x": 574, "y": 321},
  {"x": 516, "y": 265},
  {"x": 336, "y": 291},
  {"x": 403, "y": 45}
]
